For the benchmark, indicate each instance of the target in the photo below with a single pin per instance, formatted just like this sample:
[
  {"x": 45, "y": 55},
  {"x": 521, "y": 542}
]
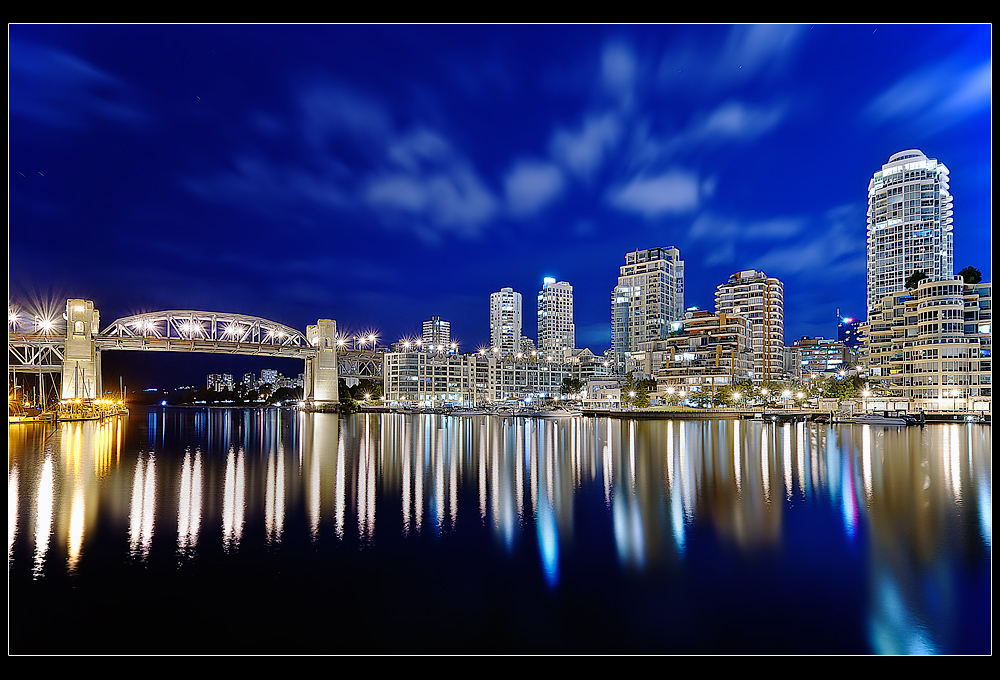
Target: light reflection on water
[{"x": 899, "y": 519}]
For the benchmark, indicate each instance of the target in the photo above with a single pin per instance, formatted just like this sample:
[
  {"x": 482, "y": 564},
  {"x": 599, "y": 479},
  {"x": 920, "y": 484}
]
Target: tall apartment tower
[
  {"x": 505, "y": 321},
  {"x": 909, "y": 224},
  {"x": 761, "y": 300},
  {"x": 437, "y": 333},
  {"x": 556, "y": 331},
  {"x": 649, "y": 295}
]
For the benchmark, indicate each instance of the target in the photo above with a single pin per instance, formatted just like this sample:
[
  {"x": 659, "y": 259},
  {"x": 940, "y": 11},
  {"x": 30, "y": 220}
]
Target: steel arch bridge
[
  {"x": 75, "y": 351},
  {"x": 209, "y": 332}
]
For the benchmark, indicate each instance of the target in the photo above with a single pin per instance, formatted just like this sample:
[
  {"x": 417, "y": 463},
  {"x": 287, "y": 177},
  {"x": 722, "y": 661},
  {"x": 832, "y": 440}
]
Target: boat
[
  {"x": 887, "y": 418},
  {"x": 472, "y": 412},
  {"x": 552, "y": 413}
]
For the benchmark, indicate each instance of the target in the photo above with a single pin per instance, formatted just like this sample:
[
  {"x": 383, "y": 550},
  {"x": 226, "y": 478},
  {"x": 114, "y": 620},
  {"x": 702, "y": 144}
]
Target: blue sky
[{"x": 381, "y": 175}]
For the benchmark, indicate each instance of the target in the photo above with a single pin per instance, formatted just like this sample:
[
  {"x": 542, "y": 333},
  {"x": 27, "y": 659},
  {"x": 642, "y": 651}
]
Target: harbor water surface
[{"x": 272, "y": 532}]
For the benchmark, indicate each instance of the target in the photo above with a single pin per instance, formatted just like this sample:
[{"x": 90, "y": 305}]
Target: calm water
[{"x": 276, "y": 532}]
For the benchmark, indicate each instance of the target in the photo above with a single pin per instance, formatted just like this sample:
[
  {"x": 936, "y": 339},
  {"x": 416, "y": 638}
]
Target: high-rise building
[
  {"x": 556, "y": 332},
  {"x": 220, "y": 382},
  {"x": 437, "y": 333},
  {"x": 849, "y": 331},
  {"x": 649, "y": 295},
  {"x": 823, "y": 355},
  {"x": 505, "y": 321},
  {"x": 761, "y": 300},
  {"x": 909, "y": 224}
]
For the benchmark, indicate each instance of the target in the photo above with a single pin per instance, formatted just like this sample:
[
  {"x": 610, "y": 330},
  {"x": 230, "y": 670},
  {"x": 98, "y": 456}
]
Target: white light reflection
[
  {"x": 849, "y": 498},
  {"x": 233, "y": 499},
  {"x": 676, "y": 500},
  {"x": 688, "y": 485},
  {"x": 189, "y": 503},
  {"x": 339, "y": 491},
  {"x": 953, "y": 454},
  {"x": 314, "y": 485},
  {"x": 483, "y": 456},
  {"x": 786, "y": 446},
  {"x": 607, "y": 464},
  {"x": 76, "y": 527},
  {"x": 800, "y": 450},
  {"x": 143, "y": 508},
  {"x": 274, "y": 500},
  {"x": 548, "y": 543},
  {"x": 12, "y": 509},
  {"x": 737, "y": 458},
  {"x": 366, "y": 486},
  {"x": 765, "y": 468},
  {"x": 406, "y": 492},
  {"x": 43, "y": 516},
  {"x": 544, "y": 494},
  {"x": 866, "y": 461},
  {"x": 437, "y": 482}
]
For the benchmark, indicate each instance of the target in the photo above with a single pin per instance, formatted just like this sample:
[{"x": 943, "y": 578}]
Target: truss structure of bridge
[{"x": 208, "y": 332}]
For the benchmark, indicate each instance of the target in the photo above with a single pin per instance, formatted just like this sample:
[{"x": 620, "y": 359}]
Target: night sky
[{"x": 381, "y": 175}]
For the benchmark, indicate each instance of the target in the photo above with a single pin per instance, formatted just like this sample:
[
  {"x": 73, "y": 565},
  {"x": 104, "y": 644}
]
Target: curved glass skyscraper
[{"x": 909, "y": 223}]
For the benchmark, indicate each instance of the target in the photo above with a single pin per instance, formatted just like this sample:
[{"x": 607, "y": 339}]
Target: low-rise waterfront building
[
  {"x": 429, "y": 378},
  {"x": 445, "y": 378},
  {"x": 932, "y": 345},
  {"x": 703, "y": 352}
]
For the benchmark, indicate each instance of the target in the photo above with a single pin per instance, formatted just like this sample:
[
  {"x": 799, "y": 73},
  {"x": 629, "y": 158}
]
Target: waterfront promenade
[{"x": 689, "y": 413}]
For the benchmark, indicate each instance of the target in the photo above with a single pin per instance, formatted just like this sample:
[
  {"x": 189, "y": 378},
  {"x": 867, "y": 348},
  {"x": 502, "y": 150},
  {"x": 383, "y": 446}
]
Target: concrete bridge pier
[
  {"x": 321, "y": 389},
  {"x": 81, "y": 374}
]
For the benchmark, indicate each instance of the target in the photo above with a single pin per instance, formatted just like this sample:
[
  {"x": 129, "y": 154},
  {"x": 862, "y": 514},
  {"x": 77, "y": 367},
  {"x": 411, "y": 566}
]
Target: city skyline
[{"x": 384, "y": 175}]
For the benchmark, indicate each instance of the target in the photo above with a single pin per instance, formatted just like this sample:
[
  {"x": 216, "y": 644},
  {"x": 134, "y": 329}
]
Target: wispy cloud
[
  {"x": 825, "y": 246},
  {"x": 618, "y": 69},
  {"x": 406, "y": 179},
  {"x": 933, "y": 98},
  {"x": 738, "y": 120},
  {"x": 582, "y": 151},
  {"x": 453, "y": 201},
  {"x": 56, "y": 88},
  {"x": 760, "y": 48},
  {"x": 531, "y": 185},
  {"x": 670, "y": 193}
]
